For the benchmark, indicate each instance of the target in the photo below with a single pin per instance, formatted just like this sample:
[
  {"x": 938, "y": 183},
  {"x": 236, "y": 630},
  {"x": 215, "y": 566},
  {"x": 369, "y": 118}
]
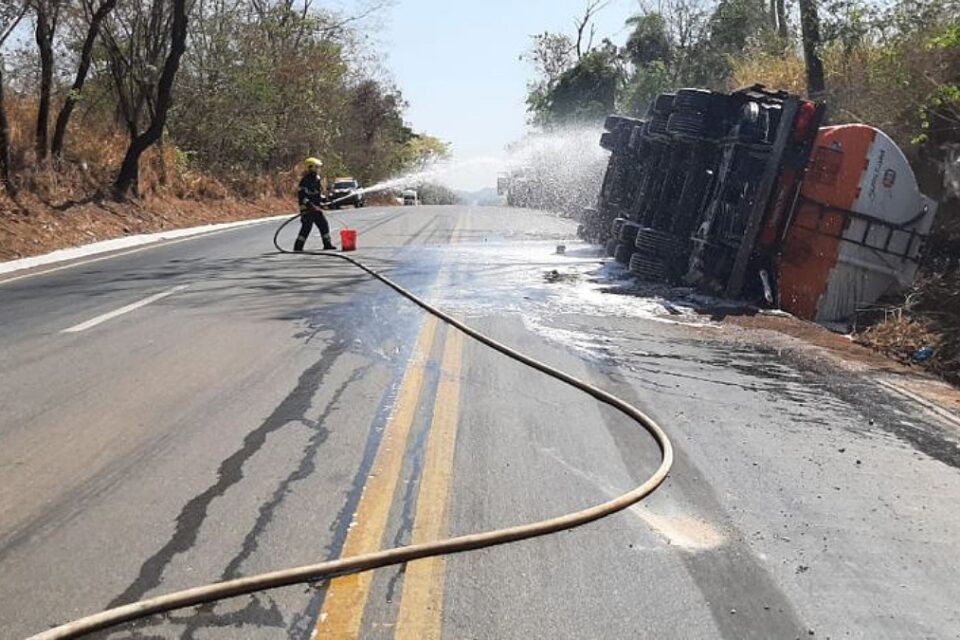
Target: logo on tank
[{"x": 889, "y": 177}]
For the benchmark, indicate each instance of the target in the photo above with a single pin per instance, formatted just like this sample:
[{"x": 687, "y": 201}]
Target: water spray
[{"x": 566, "y": 164}]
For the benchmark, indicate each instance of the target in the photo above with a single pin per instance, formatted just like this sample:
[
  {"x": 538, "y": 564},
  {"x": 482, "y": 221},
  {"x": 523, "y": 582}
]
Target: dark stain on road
[
  {"x": 293, "y": 408},
  {"x": 255, "y": 612},
  {"x": 876, "y": 408}
]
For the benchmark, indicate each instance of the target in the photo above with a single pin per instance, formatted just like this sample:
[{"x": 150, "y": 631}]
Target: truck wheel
[
  {"x": 687, "y": 123},
  {"x": 647, "y": 269},
  {"x": 623, "y": 252},
  {"x": 660, "y": 244},
  {"x": 615, "y": 227},
  {"x": 608, "y": 140},
  {"x": 694, "y": 100},
  {"x": 628, "y": 233},
  {"x": 614, "y": 122},
  {"x": 658, "y": 124},
  {"x": 663, "y": 104}
]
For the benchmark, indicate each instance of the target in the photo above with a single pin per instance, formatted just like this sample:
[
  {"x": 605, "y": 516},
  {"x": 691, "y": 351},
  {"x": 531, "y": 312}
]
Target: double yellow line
[{"x": 421, "y": 602}]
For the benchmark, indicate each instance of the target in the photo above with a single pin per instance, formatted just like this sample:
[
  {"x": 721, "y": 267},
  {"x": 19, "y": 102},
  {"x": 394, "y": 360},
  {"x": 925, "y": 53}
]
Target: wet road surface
[{"x": 209, "y": 410}]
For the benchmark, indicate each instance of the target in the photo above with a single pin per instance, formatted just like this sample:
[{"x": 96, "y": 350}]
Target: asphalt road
[{"x": 208, "y": 409}]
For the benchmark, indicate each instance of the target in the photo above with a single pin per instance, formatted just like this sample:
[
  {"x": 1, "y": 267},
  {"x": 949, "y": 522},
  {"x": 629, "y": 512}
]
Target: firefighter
[{"x": 311, "y": 198}]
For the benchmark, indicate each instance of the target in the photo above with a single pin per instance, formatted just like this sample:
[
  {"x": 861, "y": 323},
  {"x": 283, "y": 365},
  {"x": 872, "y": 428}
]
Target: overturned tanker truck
[{"x": 746, "y": 195}]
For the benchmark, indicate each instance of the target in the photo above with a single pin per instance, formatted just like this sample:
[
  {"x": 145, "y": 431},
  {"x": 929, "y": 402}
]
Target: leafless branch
[
  {"x": 14, "y": 21},
  {"x": 590, "y": 11},
  {"x": 362, "y": 15}
]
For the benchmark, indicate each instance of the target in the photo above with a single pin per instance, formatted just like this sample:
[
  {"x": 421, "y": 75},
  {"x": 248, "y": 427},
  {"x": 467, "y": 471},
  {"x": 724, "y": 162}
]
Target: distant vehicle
[
  {"x": 346, "y": 191},
  {"x": 410, "y": 198}
]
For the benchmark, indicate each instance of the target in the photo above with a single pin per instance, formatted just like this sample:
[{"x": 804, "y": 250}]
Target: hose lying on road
[{"x": 366, "y": 562}]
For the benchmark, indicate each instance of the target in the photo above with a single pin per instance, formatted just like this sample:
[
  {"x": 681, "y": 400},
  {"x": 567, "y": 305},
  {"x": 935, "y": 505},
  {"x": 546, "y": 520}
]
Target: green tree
[
  {"x": 649, "y": 42},
  {"x": 588, "y": 91},
  {"x": 422, "y": 150}
]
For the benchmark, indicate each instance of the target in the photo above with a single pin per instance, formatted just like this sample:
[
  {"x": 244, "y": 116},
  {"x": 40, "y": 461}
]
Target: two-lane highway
[{"x": 208, "y": 409}]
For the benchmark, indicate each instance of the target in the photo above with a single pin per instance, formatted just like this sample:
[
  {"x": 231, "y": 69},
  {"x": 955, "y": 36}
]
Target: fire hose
[{"x": 400, "y": 555}]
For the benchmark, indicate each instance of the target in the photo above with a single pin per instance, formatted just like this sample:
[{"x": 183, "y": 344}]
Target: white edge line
[
  {"x": 930, "y": 406},
  {"x": 83, "y": 326},
  {"x": 142, "y": 243}
]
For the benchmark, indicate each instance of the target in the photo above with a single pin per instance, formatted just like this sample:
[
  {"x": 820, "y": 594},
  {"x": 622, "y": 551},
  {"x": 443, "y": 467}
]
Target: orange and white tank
[{"x": 857, "y": 229}]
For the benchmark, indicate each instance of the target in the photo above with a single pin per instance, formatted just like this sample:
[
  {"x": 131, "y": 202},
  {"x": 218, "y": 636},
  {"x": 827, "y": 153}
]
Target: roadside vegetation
[
  {"x": 119, "y": 116},
  {"x": 894, "y": 65}
]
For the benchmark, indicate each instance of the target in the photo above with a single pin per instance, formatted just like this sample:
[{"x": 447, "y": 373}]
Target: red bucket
[{"x": 348, "y": 239}]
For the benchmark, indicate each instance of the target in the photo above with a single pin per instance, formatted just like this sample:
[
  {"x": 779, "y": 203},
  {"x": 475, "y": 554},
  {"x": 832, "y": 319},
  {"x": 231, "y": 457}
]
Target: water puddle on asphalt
[{"x": 533, "y": 280}]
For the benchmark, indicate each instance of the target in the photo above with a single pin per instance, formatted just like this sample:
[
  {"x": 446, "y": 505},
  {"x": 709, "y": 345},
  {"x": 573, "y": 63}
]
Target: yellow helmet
[{"x": 313, "y": 163}]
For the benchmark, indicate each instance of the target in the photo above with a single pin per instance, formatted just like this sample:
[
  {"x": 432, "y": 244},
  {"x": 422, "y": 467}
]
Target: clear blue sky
[{"x": 457, "y": 64}]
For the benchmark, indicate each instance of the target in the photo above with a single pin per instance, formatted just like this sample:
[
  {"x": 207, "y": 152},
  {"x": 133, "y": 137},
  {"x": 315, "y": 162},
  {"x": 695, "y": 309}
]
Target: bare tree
[
  {"x": 47, "y": 13},
  {"x": 10, "y": 16},
  {"x": 550, "y": 54},
  {"x": 585, "y": 27},
  {"x": 688, "y": 24},
  {"x": 96, "y": 17},
  {"x": 136, "y": 40},
  {"x": 162, "y": 98},
  {"x": 782, "y": 29},
  {"x": 810, "y": 28}
]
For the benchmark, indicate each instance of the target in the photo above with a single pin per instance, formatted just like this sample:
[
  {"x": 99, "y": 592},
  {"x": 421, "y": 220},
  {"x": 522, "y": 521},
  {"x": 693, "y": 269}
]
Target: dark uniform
[{"x": 310, "y": 196}]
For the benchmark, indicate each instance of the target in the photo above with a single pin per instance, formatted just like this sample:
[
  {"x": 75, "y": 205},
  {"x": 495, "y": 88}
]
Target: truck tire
[
  {"x": 663, "y": 103},
  {"x": 694, "y": 100},
  {"x": 655, "y": 243},
  {"x": 608, "y": 140},
  {"x": 628, "y": 233},
  {"x": 614, "y": 122},
  {"x": 611, "y": 247},
  {"x": 687, "y": 123},
  {"x": 647, "y": 269},
  {"x": 623, "y": 253},
  {"x": 615, "y": 227},
  {"x": 658, "y": 124}
]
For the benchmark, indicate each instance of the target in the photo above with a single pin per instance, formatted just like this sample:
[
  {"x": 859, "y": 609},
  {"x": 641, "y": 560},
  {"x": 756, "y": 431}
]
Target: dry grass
[
  {"x": 93, "y": 154},
  {"x": 864, "y": 84},
  {"x": 66, "y": 204}
]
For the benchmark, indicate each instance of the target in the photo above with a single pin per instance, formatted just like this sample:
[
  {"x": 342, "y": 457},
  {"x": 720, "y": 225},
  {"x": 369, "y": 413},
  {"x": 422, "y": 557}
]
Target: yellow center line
[
  {"x": 346, "y": 597},
  {"x": 421, "y": 604}
]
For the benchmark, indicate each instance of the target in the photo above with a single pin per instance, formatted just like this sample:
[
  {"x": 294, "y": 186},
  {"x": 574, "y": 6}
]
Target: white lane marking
[{"x": 83, "y": 326}]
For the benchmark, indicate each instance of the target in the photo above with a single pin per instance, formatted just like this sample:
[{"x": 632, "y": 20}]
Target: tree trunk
[
  {"x": 782, "y": 28},
  {"x": 810, "y": 26},
  {"x": 129, "y": 174},
  {"x": 5, "y": 179},
  {"x": 86, "y": 58},
  {"x": 44, "y": 38}
]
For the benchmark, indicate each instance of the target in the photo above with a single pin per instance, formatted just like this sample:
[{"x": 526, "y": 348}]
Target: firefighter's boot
[
  {"x": 298, "y": 244},
  {"x": 327, "y": 244}
]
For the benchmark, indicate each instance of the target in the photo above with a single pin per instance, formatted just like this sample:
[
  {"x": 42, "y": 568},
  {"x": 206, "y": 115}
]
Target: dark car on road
[{"x": 346, "y": 191}]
